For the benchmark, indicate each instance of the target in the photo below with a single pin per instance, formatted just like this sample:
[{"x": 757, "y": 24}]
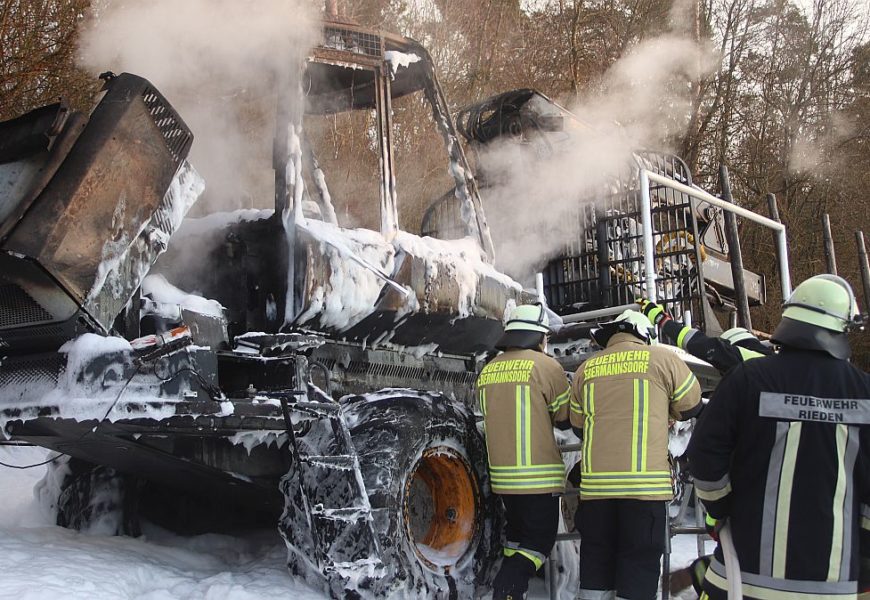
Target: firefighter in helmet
[
  {"x": 725, "y": 352},
  {"x": 523, "y": 393},
  {"x": 625, "y": 396},
  {"x": 783, "y": 453}
]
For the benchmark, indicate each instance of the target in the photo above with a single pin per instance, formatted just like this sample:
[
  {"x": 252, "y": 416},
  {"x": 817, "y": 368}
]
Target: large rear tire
[{"x": 423, "y": 462}]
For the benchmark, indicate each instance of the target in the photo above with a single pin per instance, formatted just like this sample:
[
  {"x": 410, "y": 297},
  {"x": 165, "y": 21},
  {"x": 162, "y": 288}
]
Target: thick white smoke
[
  {"x": 215, "y": 61},
  {"x": 644, "y": 103}
]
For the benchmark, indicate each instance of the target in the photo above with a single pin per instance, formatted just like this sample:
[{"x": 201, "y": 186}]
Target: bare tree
[{"x": 37, "y": 54}]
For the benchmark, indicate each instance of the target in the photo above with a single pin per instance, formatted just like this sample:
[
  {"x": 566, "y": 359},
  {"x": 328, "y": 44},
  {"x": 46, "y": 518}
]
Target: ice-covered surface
[
  {"x": 42, "y": 561},
  {"x": 165, "y": 293}
]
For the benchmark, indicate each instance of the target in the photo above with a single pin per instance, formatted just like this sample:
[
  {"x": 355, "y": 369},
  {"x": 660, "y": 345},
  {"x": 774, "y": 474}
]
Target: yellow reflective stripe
[
  {"x": 560, "y": 401},
  {"x": 839, "y": 497},
  {"x": 527, "y": 410},
  {"x": 589, "y": 410},
  {"x": 682, "y": 336},
  {"x": 532, "y": 469},
  {"x": 483, "y": 401},
  {"x": 519, "y": 437},
  {"x": 684, "y": 388},
  {"x": 634, "y": 425},
  {"x": 640, "y": 425},
  {"x": 501, "y": 479},
  {"x": 535, "y": 560},
  {"x": 628, "y": 474},
  {"x": 644, "y": 432},
  {"x": 617, "y": 485},
  {"x": 628, "y": 482},
  {"x": 544, "y": 484},
  {"x": 783, "y": 504},
  {"x": 647, "y": 491}
]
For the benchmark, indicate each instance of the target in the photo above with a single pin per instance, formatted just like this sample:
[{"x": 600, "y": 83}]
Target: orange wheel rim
[{"x": 441, "y": 506}]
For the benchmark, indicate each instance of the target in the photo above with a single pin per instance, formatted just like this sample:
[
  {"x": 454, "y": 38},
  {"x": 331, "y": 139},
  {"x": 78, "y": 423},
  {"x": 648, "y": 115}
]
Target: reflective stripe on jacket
[
  {"x": 522, "y": 393},
  {"x": 783, "y": 452},
  {"x": 625, "y": 396},
  {"x": 723, "y": 355}
]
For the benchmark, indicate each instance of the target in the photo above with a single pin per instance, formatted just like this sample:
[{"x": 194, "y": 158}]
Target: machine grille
[
  {"x": 352, "y": 41},
  {"x": 177, "y": 136},
  {"x": 18, "y": 308},
  {"x": 27, "y": 370}
]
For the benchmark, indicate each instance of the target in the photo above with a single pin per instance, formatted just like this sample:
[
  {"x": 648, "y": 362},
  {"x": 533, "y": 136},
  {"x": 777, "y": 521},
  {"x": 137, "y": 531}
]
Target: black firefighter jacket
[{"x": 783, "y": 451}]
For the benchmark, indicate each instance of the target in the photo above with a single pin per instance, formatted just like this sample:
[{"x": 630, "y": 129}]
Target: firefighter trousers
[
  {"x": 530, "y": 532},
  {"x": 621, "y": 546}
]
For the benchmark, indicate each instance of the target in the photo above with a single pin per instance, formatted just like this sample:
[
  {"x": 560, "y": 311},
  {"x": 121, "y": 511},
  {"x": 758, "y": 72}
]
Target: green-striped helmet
[
  {"x": 825, "y": 301},
  {"x": 817, "y": 316}
]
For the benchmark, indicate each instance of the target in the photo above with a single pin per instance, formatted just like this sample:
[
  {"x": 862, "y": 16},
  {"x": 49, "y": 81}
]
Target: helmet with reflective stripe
[
  {"x": 630, "y": 321},
  {"x": 737, "y": 334},
  {"x": 824, "y": 301},
  {"x": 529, "y": 317},
  {"x": 818, "y": 314}
]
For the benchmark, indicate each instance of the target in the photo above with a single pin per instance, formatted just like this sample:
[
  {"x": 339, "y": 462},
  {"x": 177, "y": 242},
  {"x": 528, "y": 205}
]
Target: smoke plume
[
  {"x": 645, "y": 103},
  {"x": 215, "y": 61}
]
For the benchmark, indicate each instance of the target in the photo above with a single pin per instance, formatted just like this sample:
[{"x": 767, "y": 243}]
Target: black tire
[
  {"x": 89, "y": 497},
  {"x": 413, "y": 448}
]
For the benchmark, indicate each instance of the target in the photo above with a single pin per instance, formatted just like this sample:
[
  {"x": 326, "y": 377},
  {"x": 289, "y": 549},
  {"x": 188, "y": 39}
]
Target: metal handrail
[{"x": 699, "y": 194}]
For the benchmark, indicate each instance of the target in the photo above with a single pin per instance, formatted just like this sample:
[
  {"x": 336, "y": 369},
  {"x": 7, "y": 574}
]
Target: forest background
[{"x": 785, "y": 106}]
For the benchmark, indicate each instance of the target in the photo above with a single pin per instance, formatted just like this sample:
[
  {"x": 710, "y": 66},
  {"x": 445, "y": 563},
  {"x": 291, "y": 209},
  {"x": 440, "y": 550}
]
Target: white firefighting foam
[{"x": 360, "y": 260}]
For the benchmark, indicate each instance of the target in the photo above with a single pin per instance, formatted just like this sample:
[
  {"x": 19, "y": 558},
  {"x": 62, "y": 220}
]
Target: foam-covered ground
[{"x": 42, "y": 561}]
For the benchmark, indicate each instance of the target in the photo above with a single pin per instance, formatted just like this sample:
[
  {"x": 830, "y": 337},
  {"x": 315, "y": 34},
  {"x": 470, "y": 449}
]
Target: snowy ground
[{"x": 42, "y": 561}]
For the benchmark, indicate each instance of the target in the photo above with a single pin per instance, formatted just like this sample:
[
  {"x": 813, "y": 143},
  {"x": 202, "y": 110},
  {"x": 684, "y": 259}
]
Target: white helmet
[
  {"x": 526, "y": 328},
  {"x": 817, "y": 316},
  {"x": 528, "y": 317},
  {"x": 630, "y": 321}
]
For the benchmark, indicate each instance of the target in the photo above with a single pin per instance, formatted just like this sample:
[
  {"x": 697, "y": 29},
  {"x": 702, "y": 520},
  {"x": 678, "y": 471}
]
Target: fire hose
[{"x": 732, "y": 565}]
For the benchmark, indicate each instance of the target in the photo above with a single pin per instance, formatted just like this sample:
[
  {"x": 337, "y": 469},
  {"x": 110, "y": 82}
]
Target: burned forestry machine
[
  {"x": 644, "y": 230},
  {"x": 321, "y": 376}
]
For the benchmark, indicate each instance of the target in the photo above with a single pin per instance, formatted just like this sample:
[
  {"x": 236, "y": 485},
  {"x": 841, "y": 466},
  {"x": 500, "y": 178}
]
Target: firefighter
[
  {"x": 731, "y": 348},
  {"x": 625, "y": 396},
  {"x": 783, "y": 453},
  {"x": 523, "y": 393}
]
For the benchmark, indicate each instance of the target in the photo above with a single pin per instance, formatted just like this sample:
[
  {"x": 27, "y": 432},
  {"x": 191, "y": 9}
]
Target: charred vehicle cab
[{"x": 322, "y": 375}]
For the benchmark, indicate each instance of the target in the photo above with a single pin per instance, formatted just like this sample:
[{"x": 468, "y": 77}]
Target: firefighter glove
[
  {"x": 713, "y": 526},
  {"x": 655, "y": 313}
]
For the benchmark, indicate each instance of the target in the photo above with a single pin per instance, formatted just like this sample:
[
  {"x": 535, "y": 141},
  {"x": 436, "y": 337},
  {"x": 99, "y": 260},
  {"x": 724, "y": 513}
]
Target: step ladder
[{"x": 328, "y": 519}]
